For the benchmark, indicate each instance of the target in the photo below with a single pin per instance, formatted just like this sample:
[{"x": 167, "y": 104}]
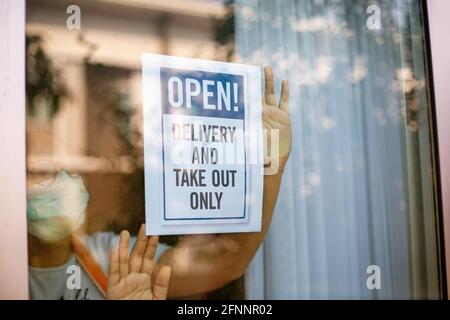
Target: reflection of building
[{"x": 100, "y": 65}]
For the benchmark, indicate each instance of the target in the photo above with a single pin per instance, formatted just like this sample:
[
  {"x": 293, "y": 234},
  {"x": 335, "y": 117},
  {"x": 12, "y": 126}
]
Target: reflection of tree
[
  {"x": 224, "y": 31},
  {"x": 42, "y": 79},
  {"x": 113, "y": 113}
]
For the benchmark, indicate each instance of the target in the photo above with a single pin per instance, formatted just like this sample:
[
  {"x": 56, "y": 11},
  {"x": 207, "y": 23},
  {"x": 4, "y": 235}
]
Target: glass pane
[{"x": 356, "y": 216}]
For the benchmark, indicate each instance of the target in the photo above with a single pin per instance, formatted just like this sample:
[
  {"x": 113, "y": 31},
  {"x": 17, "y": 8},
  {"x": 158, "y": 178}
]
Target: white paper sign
[{"x": 202, "y": 146}]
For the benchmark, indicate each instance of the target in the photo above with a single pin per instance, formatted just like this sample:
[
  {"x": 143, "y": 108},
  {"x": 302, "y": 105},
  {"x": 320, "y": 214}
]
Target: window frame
[
  {"x": 436, "y": 20},
  {"x": 13, "y": 224}
]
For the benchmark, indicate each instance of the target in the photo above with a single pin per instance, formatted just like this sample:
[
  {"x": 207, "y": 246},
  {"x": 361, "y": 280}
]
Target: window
[{"x": 357, "y": 214}]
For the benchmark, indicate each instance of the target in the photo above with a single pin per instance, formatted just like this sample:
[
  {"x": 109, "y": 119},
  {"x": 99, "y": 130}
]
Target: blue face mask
[{"x": 56, "y": 208}]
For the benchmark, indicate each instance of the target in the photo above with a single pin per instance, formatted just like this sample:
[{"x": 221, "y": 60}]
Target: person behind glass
[{"x": 64, "y": 265}]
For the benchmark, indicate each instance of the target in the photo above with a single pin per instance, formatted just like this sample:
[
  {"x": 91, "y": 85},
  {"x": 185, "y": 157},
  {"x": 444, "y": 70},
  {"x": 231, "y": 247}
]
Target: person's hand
[
  {"x": 130, "y": 278},
  {"x": 275, "y": 116}
]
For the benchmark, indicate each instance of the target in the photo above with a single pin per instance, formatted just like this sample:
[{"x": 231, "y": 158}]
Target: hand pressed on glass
[
  {"x": 131, "y": 276},
  {"x": 275, "y": 116}
]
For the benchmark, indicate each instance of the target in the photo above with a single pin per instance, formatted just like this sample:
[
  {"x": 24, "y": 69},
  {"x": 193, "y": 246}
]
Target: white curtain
[{"x": 357, "y": 190}]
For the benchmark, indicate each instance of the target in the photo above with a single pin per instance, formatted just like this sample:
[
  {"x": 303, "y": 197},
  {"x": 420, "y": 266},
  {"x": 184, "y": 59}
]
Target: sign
[{"x": 202, "y": 146}]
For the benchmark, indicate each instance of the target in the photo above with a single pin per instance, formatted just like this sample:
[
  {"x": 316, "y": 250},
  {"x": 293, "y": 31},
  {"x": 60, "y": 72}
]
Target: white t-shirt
[{"x": 52, "y": 283}]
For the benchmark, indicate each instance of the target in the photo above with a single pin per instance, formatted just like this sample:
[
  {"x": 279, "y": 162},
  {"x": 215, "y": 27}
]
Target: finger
[
  {"x": 123, "y": 253},
  {"x": 138, "y": 251},
  {"x": 149, "y": 255},
  {"x": 269, "y": 91},
  {"x": 113, "y": 272},
  {"x": 162, "y": 283},
  {"x": 284, "y": 99}
]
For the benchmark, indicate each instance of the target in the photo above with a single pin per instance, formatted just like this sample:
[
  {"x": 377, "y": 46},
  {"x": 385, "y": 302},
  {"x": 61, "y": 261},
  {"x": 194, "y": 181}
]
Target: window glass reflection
[{"x": 358, "y": 190}]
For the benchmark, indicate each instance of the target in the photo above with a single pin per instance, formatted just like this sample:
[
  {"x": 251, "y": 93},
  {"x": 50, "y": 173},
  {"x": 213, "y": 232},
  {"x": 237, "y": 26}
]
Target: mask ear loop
[{"x": 46, "y": 167}]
